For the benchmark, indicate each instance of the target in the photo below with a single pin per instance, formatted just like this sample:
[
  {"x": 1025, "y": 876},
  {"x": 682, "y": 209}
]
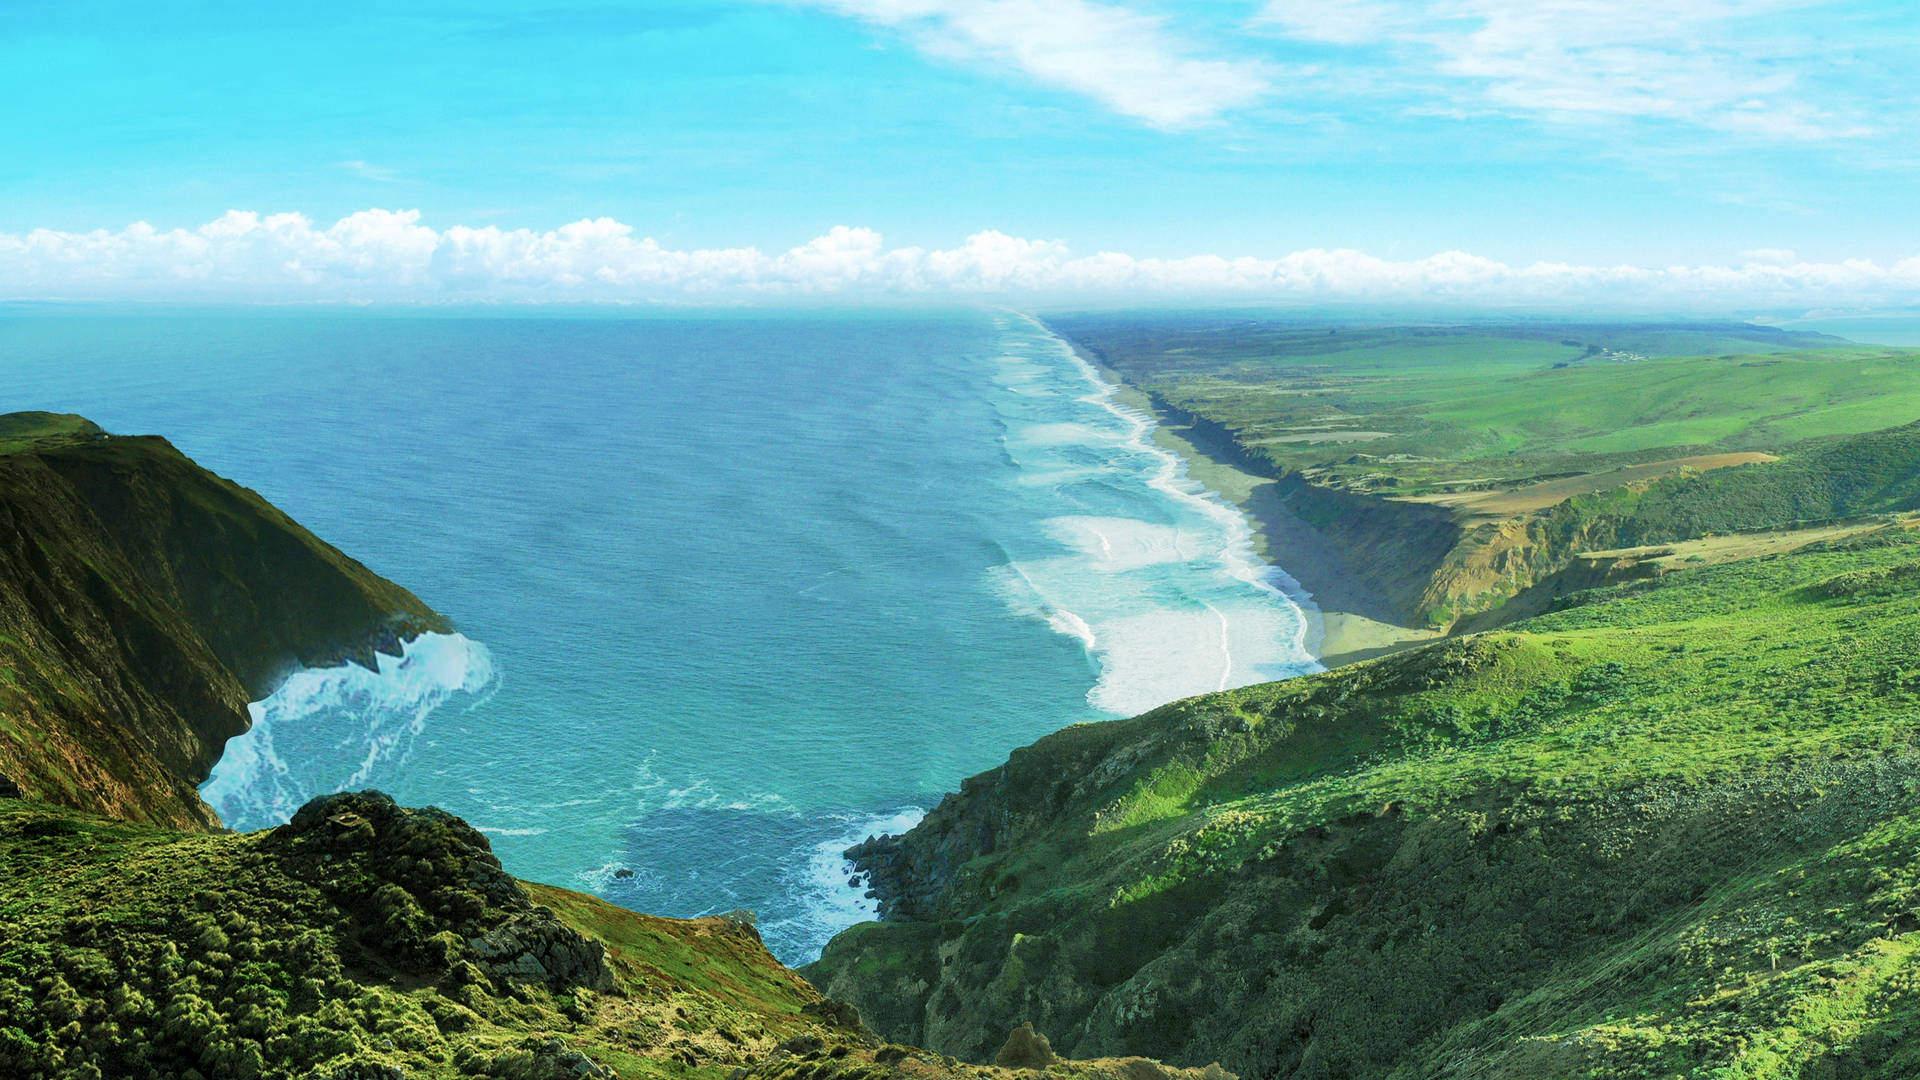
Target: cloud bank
[{"x": 389, "y": 256}]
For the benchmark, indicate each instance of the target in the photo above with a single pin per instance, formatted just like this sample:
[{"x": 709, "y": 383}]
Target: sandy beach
[{"x": 1346, "y": 623}]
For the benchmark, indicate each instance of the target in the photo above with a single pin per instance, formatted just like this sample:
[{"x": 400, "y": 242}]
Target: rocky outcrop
[
  {"x": 1026, "y": 1049},
  {"x": 426, "y": 887},
  {"x": 536, "y": 947},
  {"x": 144, "y": 602}
]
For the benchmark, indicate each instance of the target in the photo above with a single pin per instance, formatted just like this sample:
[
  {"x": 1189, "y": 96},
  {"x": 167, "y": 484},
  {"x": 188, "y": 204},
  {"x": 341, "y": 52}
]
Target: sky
[{"x": 1690, "y": 153}]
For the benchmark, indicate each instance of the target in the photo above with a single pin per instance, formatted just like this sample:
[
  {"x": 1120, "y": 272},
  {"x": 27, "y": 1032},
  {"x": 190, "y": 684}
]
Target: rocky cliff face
[{"x": 144, "y": 602}]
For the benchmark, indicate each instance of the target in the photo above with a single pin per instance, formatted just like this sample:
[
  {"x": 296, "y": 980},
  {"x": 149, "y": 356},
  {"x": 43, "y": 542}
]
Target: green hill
[
  {"x": 1667, "y": 831},
  {"x": 1820, "y": 480}
]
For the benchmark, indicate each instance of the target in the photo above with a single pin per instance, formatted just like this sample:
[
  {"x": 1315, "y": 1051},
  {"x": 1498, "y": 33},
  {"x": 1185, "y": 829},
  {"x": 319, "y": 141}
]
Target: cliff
[
  {"x": 1654, "y": 832},
  {"x": 144, "y": 602}
]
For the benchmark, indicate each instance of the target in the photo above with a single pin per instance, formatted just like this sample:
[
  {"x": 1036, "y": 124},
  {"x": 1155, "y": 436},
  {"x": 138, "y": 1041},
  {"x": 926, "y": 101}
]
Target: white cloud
[
  {"x": 391, "y": 256},
  {"x": 1726, "y": 65},
  {"x": 1126, "y": 60}
]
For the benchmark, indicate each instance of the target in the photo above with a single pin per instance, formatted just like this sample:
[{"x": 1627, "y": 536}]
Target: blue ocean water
[{"x": 734, "y": 591}]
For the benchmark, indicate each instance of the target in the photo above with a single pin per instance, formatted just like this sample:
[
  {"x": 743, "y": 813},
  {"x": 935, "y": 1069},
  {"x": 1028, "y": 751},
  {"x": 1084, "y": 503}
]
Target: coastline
[{"x": 1345, "y": 622}]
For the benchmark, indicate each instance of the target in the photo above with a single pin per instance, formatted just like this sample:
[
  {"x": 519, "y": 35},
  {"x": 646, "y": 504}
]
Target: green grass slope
[
  {"x": 143, "y": 602},
  {"x": 1406, "y": 410},
  {"x": 1669, "y": 831},
  {"x": 1820, "y": 481}
]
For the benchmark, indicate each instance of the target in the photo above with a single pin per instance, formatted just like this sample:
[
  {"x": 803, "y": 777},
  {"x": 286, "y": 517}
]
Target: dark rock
[
  {"x": 623, "y": 873},
  {"x": 742, "y": 922},
  {"x": 843, "y": 1015},
  {"x": 537, "y": 947},
  {"x": 9, "y": 789},
  {"x": 803, "y": 1045},
  {"x": 1026, "y": 1049}
]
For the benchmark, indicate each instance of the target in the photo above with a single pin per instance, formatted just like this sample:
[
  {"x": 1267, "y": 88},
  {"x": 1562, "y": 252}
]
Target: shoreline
[{"x": 1345, "y": 622}]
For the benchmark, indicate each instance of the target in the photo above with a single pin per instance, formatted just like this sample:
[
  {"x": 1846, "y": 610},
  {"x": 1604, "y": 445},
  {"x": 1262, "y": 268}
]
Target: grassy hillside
[
  {"x": 1667, "y": 831},
  {"x": 143, "y": 602},
  {"x": 1460, "y": 467},
  {"x": 1821, "y": 480},
  {"x": 1427, "y": 407},
  {"x": 340, "y": 945}
]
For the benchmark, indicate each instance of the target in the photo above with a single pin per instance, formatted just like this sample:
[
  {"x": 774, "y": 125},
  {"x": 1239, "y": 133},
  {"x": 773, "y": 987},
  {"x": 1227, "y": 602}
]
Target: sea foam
[
  {"x": 339, "y": 728},
  {"x": 829, "y": 899},
  {"x": 1155, "y": 576}
]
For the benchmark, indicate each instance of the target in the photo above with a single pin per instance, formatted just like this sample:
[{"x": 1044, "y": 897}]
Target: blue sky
[{"x": 1596, "y": 133}]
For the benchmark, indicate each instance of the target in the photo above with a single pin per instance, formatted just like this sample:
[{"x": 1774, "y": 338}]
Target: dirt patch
[
  {"x": 1714, "y": 550},
  {"x": 1329, "y": 435},
  {"x": 1527, "y": 498}
]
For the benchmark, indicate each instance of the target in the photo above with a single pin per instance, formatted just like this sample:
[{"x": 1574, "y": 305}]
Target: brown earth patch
[{"x": 1527, "y": 498}]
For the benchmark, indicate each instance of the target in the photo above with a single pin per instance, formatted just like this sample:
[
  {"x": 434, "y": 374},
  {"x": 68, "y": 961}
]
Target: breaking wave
[
  {"x": 340, "y": 728},
  {"x": 1155, "y": 576}
]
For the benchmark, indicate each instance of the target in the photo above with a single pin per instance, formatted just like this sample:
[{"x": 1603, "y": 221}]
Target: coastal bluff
[{"x": 144, "y": 601}]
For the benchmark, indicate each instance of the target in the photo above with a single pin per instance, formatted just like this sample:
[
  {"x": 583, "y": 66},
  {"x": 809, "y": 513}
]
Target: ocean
[{"x": 734, "y": 591}]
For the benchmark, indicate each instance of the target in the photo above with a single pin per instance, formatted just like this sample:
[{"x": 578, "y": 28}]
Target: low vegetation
[{"x": 364, "y": 941}]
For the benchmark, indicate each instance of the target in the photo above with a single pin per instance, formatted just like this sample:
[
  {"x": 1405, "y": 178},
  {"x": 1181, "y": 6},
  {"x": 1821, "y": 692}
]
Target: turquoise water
[{"x": 734, "y": 592}]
